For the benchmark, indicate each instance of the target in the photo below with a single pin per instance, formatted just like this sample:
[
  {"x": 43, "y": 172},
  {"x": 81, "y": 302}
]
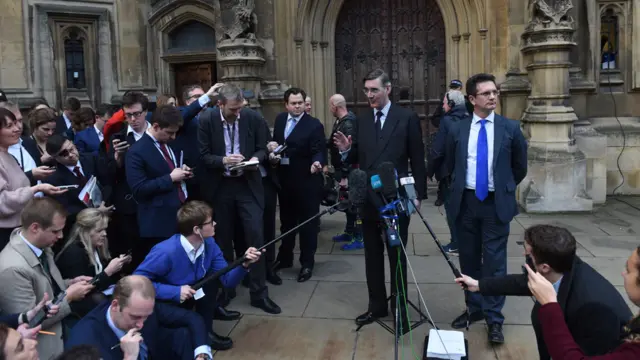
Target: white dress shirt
[
  {"x": 137, "y": 136},
  {"x": 192, "y": 253},
  {"x": 36, "y": 250},
  {"x": 25, "y": 160},
  {"x": 100, "y": 134},
  {"x": 472, "y": 150},
  {"x": 67, "y": 121},
  {"x": 385, "y": 112}
]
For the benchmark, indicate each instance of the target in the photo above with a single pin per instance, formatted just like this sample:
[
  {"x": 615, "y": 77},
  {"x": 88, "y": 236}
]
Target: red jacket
[{"x": 561, "y": 345}]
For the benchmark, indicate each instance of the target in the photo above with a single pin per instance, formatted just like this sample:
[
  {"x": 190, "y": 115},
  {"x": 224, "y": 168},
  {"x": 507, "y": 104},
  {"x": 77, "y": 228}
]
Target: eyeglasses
[
  {"x": 206, "y": 223},
  {"x": 133, "y": 114},
  {"x": 373, "y": 91}
]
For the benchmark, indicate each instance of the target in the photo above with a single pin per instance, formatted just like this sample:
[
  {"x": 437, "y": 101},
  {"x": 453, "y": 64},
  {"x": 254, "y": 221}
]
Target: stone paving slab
[{"x": 317, "y": 318}]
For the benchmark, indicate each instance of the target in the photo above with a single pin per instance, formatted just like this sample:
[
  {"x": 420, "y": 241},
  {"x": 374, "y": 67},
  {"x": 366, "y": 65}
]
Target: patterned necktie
[
  {"x": 482, "y": 163},
  {"x": 167, "y": 157},
  {"x": 379, "y": 125},
  {"x": 78, "y": 174}
]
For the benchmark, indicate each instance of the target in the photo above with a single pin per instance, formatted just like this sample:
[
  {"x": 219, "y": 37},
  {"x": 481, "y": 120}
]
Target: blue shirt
[{"x": 120, "y": 333}]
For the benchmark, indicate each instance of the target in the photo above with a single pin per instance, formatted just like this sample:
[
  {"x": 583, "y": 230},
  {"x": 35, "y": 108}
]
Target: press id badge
[{"x": 284, "y": 161}]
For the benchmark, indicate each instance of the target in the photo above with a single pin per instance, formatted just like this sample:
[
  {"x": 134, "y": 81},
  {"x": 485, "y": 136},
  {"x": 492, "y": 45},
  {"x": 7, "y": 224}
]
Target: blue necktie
[
  {"x": 482, "y": 163},
  {"x": 143, "y": 354},
  {"x": 289, "y": 128}
]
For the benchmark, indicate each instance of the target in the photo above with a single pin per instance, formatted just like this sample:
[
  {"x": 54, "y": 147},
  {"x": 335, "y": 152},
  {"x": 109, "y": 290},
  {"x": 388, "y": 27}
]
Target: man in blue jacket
[
  {"x": 133, "y": 326},
  {"x": 178, "y": 262}
]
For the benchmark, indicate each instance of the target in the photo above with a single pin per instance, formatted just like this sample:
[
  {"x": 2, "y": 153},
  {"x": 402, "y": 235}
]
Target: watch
[{"x": 23, "y": 318}]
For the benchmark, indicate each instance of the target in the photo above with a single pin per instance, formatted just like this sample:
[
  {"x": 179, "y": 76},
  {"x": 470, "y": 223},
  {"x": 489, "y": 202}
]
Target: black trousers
[
  {"x": 124, "y": 236},
  {"x": 297, "y": 206},
  {"x": 374, "y": 246},
  {"x": 235, "y": 204},
  {"x": 205, "y": 306}
]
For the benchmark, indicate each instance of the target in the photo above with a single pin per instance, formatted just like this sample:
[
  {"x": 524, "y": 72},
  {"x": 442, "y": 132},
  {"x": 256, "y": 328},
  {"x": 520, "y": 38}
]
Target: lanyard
[{"x": 232, "y": 134}]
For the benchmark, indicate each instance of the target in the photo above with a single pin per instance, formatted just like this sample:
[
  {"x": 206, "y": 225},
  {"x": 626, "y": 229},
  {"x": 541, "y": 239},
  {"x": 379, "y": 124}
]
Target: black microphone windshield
[
  {"x": 357, "y": 187},
  {"x": 387, "y": 173}
]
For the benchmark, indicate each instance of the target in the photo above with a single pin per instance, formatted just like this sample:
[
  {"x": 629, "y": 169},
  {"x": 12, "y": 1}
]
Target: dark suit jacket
[
  {"x": 213, "y": 149},
  {"x": 593, "y": 309},
  {"x": 509, "y": 164},
  {"x": 187, "y": 138},
  {"x": 401, "y": 143},
  {"x": 32, "y": 148},
  {"x": 122, "y": 197},
  {"x": 94, "y": 330},
  {"x": 73, "y": 261},
  {"x": 87, "y": 141},
  {"x": 11, "y": 320},
  {"x": 437, "y": 154},
  {"x": 148, "y": 175},
  {"x": 347, "y": 126},
  {"x": 61, "y": 125},
  {"x": 305, "y": 145},
  {"x": 272, "y": 174},
  {"x": 92, "y": 165}
]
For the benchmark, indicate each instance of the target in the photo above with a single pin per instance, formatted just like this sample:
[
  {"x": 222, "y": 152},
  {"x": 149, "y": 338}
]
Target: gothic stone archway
[{"x": 404, "y": 38}]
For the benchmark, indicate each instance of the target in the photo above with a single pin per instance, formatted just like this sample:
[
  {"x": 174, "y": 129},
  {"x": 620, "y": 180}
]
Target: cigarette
[{"x": 46, "y": 332}]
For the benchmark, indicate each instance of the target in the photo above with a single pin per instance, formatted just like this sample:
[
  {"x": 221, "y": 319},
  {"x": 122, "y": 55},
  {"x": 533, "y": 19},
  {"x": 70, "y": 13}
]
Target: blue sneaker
[
  {"x": 345, "y": 237},
  {"x": 451, "y": 249},
  {"x": 355, "y": 244}
]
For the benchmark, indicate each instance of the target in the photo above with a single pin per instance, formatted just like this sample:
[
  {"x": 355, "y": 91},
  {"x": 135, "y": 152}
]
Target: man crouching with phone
[
  {"x": 28, "y": 272},
  {"x": 594, "y": 310}
]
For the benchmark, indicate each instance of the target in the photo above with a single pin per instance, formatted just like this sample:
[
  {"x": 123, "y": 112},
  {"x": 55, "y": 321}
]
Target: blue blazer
[
  {"x": 187, "y": 138},
  {"x": 94, "y": 330},
  {"x": 87, "y": 141},
  {"x": 169, "y": 267},
  {"x": 509, "y": 164},
  {"x": 305, "y": 145},
  {"x": 148, "y": 176}
]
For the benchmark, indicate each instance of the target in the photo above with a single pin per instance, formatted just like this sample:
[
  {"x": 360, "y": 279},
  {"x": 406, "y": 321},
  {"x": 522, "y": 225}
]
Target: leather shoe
[
  {"x": 461, "y": 321},
  {"x": 219, "y": 342},
  {"x": 273, "y": 278},
  {"x": 226, "y": 315},
  {"x": 369, "y": 317},
  {"x": 495, "y": 334},
  {"x": 267, "y": 305},
  {"x": 305, "y": 274},
  {"x": 279, "y": 265}
]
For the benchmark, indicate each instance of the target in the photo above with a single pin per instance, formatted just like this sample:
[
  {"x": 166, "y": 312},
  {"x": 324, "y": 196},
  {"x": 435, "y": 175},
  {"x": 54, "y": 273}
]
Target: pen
[
  {"x": 46, "y": 332},
  {"x": 181, "y": 158},
  {"x": 115, "y": 346}
]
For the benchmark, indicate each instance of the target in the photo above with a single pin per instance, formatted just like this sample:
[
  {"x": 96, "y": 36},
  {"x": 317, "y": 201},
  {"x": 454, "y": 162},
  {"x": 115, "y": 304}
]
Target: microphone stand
[
  {"x": 213, "y": 276},
  {"x": 454, "y": 268}
]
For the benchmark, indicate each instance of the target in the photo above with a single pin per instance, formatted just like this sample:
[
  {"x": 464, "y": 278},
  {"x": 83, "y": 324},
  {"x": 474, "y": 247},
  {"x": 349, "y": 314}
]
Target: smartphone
[
  {"x": 118, "y": 137},
  {"x": 42, "y": 314},
  {"x": 68, "y": 187},
  {"x": 94, "y": 280}
]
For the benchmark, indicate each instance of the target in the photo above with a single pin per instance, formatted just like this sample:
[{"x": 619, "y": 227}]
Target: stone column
[
  {"x": 557, "y": 176},
  {"x": 241, "y": 55}
]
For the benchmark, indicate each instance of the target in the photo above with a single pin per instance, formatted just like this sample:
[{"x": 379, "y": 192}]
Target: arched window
[
  {"x": 74, "y": 61},
  {"x": 192, "y": 36},
  {"x": 609, "y": 40}
]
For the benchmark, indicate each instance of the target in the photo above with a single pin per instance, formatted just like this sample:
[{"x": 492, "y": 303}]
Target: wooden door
[
  {"x": 406, "y": 38},
  {"x": 203, "y": 74}
]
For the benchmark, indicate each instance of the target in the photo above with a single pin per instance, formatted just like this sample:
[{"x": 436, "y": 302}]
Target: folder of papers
[
  {"x": 90, "y": 194},
  {"x": 243, "y": 164},
  {"x": 449, "y": 345}
]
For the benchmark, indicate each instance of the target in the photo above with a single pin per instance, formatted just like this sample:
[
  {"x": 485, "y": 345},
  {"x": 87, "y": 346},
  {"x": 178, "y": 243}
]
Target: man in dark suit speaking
[
  {"x": 487, "y": 159},
  {"x": 386, "y": 133}
]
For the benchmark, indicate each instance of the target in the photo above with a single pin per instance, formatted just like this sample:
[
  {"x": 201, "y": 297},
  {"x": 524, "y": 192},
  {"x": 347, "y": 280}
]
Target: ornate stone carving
[
  {"x": 548, "y": 13},
  {"x": 245, "y": 23}
]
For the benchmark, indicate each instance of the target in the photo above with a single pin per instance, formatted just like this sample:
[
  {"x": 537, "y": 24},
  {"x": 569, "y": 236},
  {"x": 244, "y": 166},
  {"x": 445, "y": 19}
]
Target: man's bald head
[
  {"x": 338, "y": 100},
  {"x": 133, "y": 284}
]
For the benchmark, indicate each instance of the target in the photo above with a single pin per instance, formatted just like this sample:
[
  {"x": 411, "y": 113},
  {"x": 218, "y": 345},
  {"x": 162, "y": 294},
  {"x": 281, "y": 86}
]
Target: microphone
[
  {"x": 384, "y": 184},
  {"x": 407, "y": 184},
  {"x": 358, "y": 194}
]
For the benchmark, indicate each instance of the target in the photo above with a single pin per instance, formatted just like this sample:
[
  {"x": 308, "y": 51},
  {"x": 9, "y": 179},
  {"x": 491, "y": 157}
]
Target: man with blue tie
[
  {"x": 487, "y": 157},
  {"x": 300, "y": 175}
]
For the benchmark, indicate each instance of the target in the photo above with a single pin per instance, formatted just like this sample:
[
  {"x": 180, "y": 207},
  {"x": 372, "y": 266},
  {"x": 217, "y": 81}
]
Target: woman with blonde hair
[
  {"x": 86, "y": 253},
  {"x": 557, "y": 337}
]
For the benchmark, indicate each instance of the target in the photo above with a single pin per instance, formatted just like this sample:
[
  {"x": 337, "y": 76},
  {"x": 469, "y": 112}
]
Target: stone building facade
[{"x": 576, "y": 93}]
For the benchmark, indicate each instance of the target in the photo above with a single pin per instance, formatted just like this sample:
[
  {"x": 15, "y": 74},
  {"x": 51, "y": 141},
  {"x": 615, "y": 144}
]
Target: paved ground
[{"x": 317, "y": 316}]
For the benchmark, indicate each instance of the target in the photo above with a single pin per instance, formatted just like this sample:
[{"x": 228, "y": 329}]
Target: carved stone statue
[
  {"x": 245, "y": 23},
  {"x": 549, "y": 12}
]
